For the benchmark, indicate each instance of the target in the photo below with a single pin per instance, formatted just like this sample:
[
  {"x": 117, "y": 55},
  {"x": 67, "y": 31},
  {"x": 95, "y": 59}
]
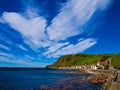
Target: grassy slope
[
  {"x": 79, "y": 59},
  {"x": 116, "y": 61}
]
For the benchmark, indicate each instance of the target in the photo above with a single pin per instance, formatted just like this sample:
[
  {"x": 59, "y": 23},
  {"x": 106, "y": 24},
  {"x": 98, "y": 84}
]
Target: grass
[
  {"x": 80, "y": 59},
  {"x": 116, "y": 61}
]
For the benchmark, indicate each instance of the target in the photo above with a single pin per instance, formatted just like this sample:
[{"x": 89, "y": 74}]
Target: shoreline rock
[
  {"x": 109, "y": 79},
  {"x": 113, "y": 81}
]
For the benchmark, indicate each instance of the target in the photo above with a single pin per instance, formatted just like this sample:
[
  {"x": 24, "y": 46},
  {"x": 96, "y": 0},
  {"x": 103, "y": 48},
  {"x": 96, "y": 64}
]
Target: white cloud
[
  {"x": 73, "y": 16},
  {"x": 4, "y": 47},
  {"x": 31, "y": 29},
  {"x": 1, "y": 21},
  {"x": 31, "y": 12},
  {"x": 3, "y": 38},
  {"x": 55, "y": 47},
  {"x": 105, "y": 4},
  {"x": 4, "y": 59},
  {"x": 70, "y": 21},
  {"x": 30, "y": 9},
  {"x": 23, "y": 48},
  {"x": 29, "y": 57},
  {"x": 77, "y": 48},
  {"x": 6, "y": 54},
  {"x": 9, "y": 58},
  {"x": 20, "y": 62}
]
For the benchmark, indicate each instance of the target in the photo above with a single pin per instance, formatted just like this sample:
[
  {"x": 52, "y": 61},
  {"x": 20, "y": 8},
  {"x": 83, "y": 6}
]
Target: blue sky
[{"x": 35, "y": 33}]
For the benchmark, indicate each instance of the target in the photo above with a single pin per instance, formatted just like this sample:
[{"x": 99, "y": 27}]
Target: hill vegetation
[
  {"x": 116, "y": 61},
  {"x": 80, "y": 59}
]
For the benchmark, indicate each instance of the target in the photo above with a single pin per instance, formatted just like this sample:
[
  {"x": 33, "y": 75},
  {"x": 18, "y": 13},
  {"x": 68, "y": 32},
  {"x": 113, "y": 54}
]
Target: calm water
[{"x": 39, "y": 79}]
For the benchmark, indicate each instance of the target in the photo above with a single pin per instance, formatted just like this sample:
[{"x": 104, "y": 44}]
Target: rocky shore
[
  {"x": 109, "y": 79},
  {"x": 112, "y": 81},
  {"x": 81, "y": 83}
]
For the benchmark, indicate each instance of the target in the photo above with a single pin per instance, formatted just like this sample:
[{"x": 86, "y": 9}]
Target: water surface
[{"x": 40, "y": 79}]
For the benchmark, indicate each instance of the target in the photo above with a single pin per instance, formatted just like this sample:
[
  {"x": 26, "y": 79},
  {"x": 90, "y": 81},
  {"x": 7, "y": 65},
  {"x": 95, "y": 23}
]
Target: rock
[
  {"x": 118, "y": 78},
  {"x": 99, "y": 78},
  {"x": 115, "y": 86},
  {"x": 112, "y": 82}
]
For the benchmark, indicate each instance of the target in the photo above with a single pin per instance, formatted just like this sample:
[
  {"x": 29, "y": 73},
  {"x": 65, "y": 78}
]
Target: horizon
[
  {"x": 36, "y": 33},
  {"x": 29, "y": 67}
]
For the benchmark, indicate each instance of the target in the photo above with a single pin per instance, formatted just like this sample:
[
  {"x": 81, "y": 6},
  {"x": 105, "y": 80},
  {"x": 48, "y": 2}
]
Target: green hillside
[
  {"x": 116, "y": 61},
  {"x": 79, "y": 59}
]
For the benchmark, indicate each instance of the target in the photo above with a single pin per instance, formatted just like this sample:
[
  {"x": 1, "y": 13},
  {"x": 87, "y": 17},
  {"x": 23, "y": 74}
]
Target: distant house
[
  {"x": 99, "y": 65},
  {"x": 104, "y": 63}
]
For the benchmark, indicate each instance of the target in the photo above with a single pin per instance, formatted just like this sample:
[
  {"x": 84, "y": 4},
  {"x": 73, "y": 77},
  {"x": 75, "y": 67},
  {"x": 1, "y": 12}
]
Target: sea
[{"x": 44, "y": 79}]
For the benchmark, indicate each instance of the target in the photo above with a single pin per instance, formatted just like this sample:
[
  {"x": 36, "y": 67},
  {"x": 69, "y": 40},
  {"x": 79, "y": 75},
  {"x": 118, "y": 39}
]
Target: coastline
[
  {"x": 109, "y": 79},
  {"x": 105, "y": 79},
  {"x": 43, "y": 79},
  {"x": 80, "y": 81}
]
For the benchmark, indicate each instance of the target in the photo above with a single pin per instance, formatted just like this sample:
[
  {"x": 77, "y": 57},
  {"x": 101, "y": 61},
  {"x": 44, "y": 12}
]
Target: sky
[{"x": 35, "y": 33}]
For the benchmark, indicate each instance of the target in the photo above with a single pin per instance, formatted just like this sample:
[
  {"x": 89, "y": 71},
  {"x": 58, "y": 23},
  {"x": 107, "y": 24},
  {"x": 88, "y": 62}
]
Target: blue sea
[{"x": 43, "y": 79}]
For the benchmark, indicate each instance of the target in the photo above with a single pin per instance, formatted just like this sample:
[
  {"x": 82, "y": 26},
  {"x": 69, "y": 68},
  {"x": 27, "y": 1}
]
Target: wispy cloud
[
  {"x": 74, "y": 48},
  {"x": 55, "y": 47},
  {"x": 30, "y": 9},
  {"x": 9, "y": 58},
  {"x": 29, "y": 57},
  {"x": 31, "y": 29},
  {"x": 22, "y": 47},
  {"x": 73, "y": 17},
  {"x": 1, "y": 21},
  {"x": 76, "y": 17},
  {"x": 21, "y": 62},
  {"x": 4, "y": 47},
  {"x": 5, "y": 54}
]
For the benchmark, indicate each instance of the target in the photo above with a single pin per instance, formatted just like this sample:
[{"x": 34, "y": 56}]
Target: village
[{"x": 103, "y": 65}]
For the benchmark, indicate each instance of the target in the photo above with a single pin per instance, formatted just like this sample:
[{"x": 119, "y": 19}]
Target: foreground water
[{"x": 43, "y": 79}]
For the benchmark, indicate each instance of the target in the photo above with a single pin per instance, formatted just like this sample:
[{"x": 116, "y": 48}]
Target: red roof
[{"x": 103, "y": 63}]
